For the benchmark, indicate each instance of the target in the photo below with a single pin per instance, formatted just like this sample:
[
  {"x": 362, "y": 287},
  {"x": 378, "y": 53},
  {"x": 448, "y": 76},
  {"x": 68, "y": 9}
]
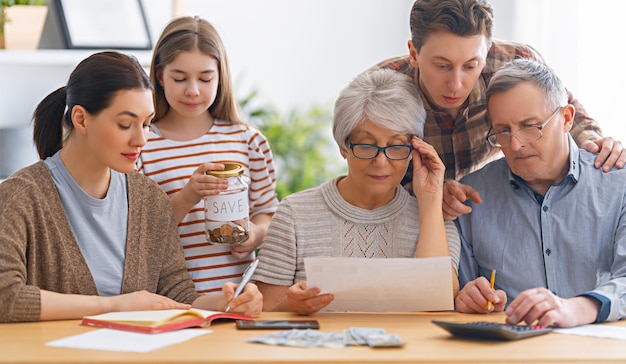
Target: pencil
[{"x": 492, "y": 282}]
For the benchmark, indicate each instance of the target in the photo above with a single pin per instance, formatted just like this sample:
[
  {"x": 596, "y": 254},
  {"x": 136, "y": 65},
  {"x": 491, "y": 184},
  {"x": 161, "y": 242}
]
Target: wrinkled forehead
[{"x": 523, "y": 102}]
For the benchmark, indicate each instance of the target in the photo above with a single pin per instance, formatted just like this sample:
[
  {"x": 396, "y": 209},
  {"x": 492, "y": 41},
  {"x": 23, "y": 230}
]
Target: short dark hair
[{"x": 460, "y": 17}]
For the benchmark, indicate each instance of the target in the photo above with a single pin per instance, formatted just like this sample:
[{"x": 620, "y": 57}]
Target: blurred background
[{"x": 291, "y": 58}]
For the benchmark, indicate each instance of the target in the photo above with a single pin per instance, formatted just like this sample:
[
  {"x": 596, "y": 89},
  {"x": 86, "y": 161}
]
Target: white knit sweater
[{"x": 319, "y": 223}]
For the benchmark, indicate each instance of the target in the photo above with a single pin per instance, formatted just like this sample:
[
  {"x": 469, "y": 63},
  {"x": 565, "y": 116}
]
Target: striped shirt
[
  {"x": 171, "y": 163},
  {"x": 460, "y": 142}
]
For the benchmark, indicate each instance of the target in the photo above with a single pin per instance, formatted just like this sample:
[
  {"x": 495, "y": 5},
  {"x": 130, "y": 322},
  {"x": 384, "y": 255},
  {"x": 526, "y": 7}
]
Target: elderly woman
[{"x": 377, "y": 124}]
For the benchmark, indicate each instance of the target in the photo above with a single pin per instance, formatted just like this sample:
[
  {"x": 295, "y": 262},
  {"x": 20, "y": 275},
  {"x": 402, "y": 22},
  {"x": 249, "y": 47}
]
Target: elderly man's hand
[
  {"x": 547, "y": 309},
  {"x": 476, "y": 295}
]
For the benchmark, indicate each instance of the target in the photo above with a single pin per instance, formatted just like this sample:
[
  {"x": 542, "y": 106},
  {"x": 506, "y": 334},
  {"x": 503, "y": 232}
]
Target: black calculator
[{"x": 492, "y": 330}]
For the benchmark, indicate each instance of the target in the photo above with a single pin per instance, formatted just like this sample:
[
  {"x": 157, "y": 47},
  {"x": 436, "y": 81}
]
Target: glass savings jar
[{"x": 226, "y": 216}]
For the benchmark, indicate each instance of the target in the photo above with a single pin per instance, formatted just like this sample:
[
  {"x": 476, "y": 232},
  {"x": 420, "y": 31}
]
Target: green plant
[
  {"x": 8, "y": 3},
  {"x": 300, "y": 142}
]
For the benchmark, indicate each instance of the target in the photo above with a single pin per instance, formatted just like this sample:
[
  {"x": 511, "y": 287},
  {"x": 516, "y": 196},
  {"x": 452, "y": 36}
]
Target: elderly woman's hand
[
  {"x": 428, "y": 170},
  {"x": 305, "y": 301}
]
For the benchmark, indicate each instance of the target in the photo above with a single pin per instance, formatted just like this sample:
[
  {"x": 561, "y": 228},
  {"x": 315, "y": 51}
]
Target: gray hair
[
  {"x": 526, "y": 70},
  {"x": 386, "y": 97}
]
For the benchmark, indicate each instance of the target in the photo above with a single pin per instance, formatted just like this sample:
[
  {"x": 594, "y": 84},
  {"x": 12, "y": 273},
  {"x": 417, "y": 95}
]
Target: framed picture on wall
[{"x": 104, "y": 24}]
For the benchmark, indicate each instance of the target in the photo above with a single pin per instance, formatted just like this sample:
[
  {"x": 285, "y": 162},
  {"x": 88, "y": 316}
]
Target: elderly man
[{"x": 550, "y": 224}]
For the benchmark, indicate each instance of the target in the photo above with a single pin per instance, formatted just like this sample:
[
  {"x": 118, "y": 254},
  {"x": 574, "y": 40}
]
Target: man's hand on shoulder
[
  {"x": 610, "y": 153},
  {"x": 454, "y": 196}
]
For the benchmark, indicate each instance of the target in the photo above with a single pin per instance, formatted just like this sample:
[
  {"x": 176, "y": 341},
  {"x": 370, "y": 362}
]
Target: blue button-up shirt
[{"x": 571, "y": 241}]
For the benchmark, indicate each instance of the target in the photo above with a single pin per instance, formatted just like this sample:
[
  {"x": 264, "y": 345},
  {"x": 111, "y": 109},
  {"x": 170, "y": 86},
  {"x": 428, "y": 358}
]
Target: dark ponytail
[{"x": 48, "y": 123}]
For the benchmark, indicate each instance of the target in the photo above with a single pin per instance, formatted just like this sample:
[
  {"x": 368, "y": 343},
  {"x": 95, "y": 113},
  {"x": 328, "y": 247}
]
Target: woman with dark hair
[{"x": 81, "y": 233}]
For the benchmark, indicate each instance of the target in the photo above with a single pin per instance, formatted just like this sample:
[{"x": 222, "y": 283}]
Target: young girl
[
  {"x": 196, "y": 129},
  {"x": 81, "y": 233}
]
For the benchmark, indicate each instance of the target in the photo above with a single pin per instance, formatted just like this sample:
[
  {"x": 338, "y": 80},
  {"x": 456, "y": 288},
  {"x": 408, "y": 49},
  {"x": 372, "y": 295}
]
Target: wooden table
[{"x": 425, "y": 343}]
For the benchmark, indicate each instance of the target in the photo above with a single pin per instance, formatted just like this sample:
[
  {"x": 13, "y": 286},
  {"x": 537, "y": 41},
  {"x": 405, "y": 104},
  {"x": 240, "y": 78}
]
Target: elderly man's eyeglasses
[
  {"x": 524, "y": 135},
  {"x": 370, "y": 151}
]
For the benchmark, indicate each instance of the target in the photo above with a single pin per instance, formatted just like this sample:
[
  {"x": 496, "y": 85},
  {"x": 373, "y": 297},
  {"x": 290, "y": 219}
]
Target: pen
[
  {"x": 247, "y": 274},
  {"x": 492, "y": 282}
]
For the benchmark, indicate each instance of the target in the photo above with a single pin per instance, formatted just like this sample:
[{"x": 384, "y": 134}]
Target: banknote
[{"x": 354, "y": 336}]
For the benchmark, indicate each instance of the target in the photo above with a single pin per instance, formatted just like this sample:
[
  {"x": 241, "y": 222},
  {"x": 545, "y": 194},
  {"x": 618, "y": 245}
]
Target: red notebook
[{"x": 157, "y": 321}]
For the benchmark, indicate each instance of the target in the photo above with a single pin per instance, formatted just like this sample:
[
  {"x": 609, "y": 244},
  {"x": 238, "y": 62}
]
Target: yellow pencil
[{"x": 492, "y": 282}]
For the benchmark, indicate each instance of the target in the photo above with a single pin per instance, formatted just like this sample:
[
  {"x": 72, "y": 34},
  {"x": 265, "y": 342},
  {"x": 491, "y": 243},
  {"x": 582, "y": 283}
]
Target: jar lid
[{"x": 230, "y": 170}]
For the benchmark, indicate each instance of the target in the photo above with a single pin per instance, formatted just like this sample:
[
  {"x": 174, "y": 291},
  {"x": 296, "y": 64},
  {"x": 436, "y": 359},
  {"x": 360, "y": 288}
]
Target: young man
[
  {"x": 451, "y": 60},
  {"x": 551, "y": 224}
]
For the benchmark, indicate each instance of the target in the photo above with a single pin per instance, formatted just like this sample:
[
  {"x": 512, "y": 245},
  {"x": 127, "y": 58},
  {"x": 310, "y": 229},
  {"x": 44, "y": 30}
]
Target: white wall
[
  {"x": 583, "y": 42},
  {"x": 295, "y": 53},
  {"x": 298, "y": 53}
]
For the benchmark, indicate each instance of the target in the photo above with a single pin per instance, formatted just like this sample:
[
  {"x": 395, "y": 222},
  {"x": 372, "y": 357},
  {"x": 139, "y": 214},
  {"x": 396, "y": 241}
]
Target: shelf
[
  {"x": 29, "y": 75},
  {"x": 60, "y": 57}
]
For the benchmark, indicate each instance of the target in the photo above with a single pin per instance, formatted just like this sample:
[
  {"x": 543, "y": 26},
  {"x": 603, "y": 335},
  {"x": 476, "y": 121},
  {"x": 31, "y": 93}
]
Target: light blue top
[
  {"x": 99, "y": 225},
  {"x": 571, "y": 241}
]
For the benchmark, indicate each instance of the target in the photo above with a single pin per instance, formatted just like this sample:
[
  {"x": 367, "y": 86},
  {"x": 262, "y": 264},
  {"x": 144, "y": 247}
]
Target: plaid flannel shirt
[{"x": 461, "y": 142}]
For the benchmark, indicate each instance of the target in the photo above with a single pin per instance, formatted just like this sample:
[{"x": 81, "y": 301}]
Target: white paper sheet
[
  {"x": 603, "y": 331},
  {"x": 383, "y": 285},
  {"x": 116, "y": 340}
]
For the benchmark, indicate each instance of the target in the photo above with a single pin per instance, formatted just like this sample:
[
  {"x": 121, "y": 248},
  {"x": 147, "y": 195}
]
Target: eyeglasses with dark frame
[
  {"x": 394, "y": 152},
  {"x": 524, "y": 135}
]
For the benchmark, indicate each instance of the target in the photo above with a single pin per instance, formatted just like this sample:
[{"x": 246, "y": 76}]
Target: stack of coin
[{"x": 228, "y": 234}]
